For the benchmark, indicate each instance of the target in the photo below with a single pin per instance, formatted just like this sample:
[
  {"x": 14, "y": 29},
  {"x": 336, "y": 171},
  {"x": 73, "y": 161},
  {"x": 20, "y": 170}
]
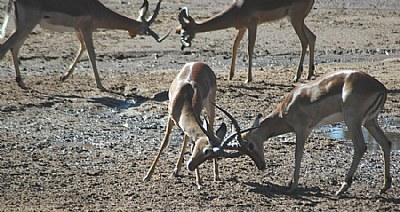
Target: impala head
[
  {"x": 247, "y": 142},
  {"x": 205, "y": 147},
  {"x": 146, "y": 23},
  {"x": 185, "y": 28}
]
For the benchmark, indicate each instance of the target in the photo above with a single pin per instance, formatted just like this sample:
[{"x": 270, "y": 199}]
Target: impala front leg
[
  {"x": 181, "y": 155},
  {"x": 301, "y": 137},
  {"x": 198, "y": 178},
  {"x": 87, "y": 37},
  {"x": 164, "y": 144}
]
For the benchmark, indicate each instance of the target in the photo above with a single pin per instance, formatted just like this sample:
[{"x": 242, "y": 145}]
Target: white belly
[
  {"x": 56, "y": 28},
  {"x": 332, "y": 119},
  {"x": 60, "y": 22}
]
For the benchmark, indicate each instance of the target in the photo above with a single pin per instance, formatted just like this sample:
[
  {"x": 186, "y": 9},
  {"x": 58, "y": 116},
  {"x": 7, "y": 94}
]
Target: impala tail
[{"x": 10, "y": 8}]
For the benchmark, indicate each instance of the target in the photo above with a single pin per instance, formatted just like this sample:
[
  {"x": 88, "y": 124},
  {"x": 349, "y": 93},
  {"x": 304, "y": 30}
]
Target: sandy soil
[{"x": 68, "y": 146}]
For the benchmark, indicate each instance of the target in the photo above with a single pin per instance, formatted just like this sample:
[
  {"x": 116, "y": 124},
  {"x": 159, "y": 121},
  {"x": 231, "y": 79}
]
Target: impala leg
[
  {"x": 14, "y": 52},
  {"x": 82, "y": 49},
  {"x": 373, "y": 128},
  {"x": 198, "y": 178},
  {"x": 252, "y": 34},
  {"x": 298, "y": 26},
  {"x": 311, "y": 45},
  {"x": 301, "y": 137},
  {"x": 164, "y": 144},
  {"x": 14, "y": 44},
  {"x": 236, "y": 45},
  {"x": 210, "y": 108},
  {"x": 360, "y": 147},
  {"x": 181, "y": 155},
  {"x": 88, "y": 39}
]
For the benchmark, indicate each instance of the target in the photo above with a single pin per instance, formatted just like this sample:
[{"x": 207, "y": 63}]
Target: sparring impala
[
  {"x": 193, "y": 89},
  {"x": 247, "y": 15},
  {"x": 350, "y": 96},
  {"x": 81, "y": 16}
]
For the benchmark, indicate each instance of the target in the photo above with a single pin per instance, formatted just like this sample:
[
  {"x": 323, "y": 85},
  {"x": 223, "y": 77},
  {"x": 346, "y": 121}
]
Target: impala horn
[
  {"x": 142, "y": 14},
  {"x": 226, "y": 143},
  {"x": 203, "y": 127},
  {"x": 213, "y": 140}
]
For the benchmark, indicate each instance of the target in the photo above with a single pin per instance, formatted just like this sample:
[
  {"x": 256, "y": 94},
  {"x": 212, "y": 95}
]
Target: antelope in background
[
  {"x": 247, "y": 15},
  {"x": 81, "y": 16},
  {"x": 193, "y": 89},
  {"x": 350, "y": 96}
]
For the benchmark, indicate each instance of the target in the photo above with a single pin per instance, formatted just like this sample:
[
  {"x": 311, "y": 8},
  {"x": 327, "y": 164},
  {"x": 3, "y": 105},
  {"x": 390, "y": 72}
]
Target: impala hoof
[
  {"x": 23, "y": 86},
  {"x": 344, "y": 188},
  {"x": 101, "y": 88},
  {"x": 21, "y": 83},
  {"x": 175, "y": 173},
  {"x": 312, "y": 77},
  {"x": 146, "y": 178},
  {"x": 292, "y": 187},
  {"x": 388, "y": 184}
]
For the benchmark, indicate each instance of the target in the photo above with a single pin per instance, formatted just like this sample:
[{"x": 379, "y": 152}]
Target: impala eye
[{"x": 207, "y": 152}]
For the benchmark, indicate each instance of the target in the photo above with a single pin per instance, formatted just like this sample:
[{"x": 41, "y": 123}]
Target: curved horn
[
  {"x": 211, "y": 137},
  {"x": 143, "y": 11},
  {"x": 151, "y": 19},
  {"x": 234, "y": 122},
  {"x": 155, "y": 35},
  {"x": 182, "y": 14}
]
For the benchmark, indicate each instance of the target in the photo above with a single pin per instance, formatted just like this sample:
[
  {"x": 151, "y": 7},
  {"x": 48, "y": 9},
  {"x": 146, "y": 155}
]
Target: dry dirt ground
[{"x": 68, "y": 146}]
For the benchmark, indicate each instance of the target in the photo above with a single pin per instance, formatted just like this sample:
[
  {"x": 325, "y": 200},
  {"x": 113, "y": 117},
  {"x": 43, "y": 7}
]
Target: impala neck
[
  {"x": 226, "y": 19},
  {"x": 189, "y": 124},
  {"x": 271, "y": 126},
  {"x": 112, "y": 20},
  {"x": 186, "y": 106}
]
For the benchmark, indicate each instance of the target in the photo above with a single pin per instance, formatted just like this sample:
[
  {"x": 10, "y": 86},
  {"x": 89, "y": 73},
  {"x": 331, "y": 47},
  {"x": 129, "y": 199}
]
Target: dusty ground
[{"x": 67, "y": 146}]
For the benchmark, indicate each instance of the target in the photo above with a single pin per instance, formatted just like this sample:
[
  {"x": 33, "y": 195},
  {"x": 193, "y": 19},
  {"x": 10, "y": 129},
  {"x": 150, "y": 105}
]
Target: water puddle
[{"x": 340, "y": 131}]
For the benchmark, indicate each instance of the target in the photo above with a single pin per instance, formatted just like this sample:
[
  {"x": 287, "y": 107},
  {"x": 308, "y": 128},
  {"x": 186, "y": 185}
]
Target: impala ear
[
  {"x": 221, "y": 132},
  {"x": 206, "y": 125},
  {"x": 256, "y": 122}
]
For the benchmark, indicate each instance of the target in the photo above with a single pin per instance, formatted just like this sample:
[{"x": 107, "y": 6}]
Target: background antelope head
[
  {"x": 185, "y": 28},
  {"x": 147, "y": 22},
  {"x": 246, "y": 144},
  {"x": 217, "y": 144},
  {"x": 205, "y": 147}
]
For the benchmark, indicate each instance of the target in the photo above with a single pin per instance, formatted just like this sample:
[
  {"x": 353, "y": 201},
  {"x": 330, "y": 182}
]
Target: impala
[
  {"x": 193, "y": 89},
  {"x": 350, "y": 96},
  {"x": 247, "y": 15},
  {"x": 82, "y": 16}
]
